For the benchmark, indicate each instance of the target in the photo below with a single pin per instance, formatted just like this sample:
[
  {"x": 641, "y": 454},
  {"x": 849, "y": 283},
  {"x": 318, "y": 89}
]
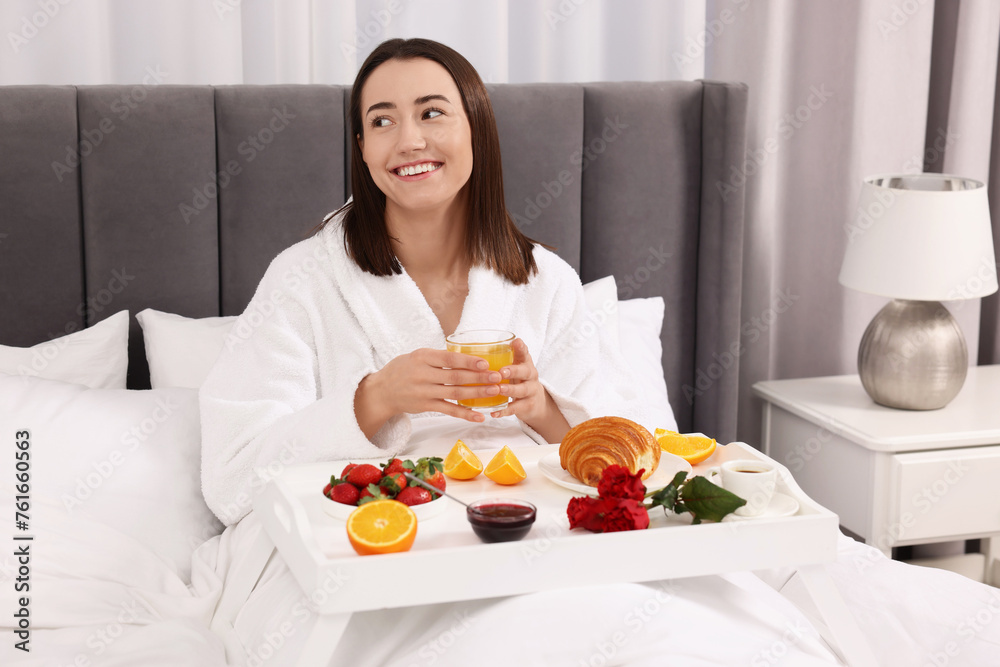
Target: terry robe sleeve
[{"x": 270, "y": 402}]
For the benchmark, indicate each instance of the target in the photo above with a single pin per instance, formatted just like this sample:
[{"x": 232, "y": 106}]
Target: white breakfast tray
[{"x": 455, "y": 565}]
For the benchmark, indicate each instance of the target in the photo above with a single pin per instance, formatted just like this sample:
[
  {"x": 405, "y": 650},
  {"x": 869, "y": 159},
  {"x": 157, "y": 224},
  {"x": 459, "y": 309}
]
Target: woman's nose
[{"x": 411, "y": 137}]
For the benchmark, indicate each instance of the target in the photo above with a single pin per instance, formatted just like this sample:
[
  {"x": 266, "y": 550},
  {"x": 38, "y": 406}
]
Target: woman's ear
[{"x": 361, "y": 141}]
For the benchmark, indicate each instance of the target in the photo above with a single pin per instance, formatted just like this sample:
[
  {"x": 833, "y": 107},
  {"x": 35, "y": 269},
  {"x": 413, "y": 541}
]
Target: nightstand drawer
[{"x": 941, "y": 494}]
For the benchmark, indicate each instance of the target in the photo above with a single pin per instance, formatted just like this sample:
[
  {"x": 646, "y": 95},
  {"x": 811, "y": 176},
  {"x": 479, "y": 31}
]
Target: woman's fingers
[
  {"x": 457, "y": 376},
  {"x": 453, "y": 410},
  {"x": 466, "y": 392},
  {"x": 523, "y": 368},
  {"x": 446, "y": 359}
]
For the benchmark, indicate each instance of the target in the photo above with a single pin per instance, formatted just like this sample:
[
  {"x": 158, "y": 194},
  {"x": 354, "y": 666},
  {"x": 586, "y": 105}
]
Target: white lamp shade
[{"x": 925, "y": 237}]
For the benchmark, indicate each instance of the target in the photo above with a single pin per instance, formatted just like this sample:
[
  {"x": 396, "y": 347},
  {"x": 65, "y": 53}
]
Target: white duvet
[{"x": 101, "y": 598}]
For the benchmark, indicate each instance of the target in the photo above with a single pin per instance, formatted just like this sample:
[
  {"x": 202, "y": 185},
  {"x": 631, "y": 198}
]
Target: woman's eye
[
  {"x": 380, "y": 121},
  {"x": 433, "y": 113}
]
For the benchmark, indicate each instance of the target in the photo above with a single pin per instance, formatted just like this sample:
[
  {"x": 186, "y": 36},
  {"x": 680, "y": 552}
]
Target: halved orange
[
  {"x": 692, "y": 448},
  {"x": 504, "y": 468},
  {"x": 461, "y": 462},
  {"x": 382, "y": 527}
]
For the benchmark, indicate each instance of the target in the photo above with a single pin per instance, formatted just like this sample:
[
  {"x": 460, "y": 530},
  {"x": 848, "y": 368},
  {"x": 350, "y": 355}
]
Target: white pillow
[
  {"x": 181, "y": 350},
  {"x": 126, "y": 458},
  {"x": 640, "y": 322},
  {"x": 96, "y": 357},
  {"x": 601, "y": 296}
]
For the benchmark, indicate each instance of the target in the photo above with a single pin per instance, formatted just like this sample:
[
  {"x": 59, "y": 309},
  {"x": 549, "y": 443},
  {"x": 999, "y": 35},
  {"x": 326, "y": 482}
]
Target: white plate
[
  {"x": 424, "y": 511},
  {"x": 781, "y": 505},
  {"x": 669, "y": 466}
]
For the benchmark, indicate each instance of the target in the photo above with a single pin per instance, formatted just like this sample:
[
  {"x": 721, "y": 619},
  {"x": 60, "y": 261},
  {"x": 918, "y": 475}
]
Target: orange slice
[
  {"x": 692, "y": 448},
  {"x": 461, "y": 462},
  {"x": 382, "y": 527},
  {"x": 504, "y": 468}
]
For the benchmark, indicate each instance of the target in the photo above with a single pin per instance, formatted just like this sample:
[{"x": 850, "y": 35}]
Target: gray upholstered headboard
[{"x": 189, "y": 191}]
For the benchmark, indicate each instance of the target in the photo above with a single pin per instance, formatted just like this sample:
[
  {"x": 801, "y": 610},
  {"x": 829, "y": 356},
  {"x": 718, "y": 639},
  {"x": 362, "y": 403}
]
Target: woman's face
[{"x": 417, "y": 141}]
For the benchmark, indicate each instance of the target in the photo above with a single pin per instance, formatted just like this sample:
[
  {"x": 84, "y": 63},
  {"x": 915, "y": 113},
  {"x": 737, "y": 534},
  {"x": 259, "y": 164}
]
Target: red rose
[
  {"x": 618, "y": 482},
  {"x": 589, "y": 512},
  {"x": 586, "y": 512},
  {"x": 625, "y": 515}
]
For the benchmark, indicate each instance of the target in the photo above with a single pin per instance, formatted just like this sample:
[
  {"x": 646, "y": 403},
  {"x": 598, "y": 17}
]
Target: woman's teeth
[{"x": 412, "y": 170}]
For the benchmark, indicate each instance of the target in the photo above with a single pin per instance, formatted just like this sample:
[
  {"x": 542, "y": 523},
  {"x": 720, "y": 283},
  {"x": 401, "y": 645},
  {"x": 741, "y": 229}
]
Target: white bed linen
[
  {"x": 99, "y": 597},
  {"x": 910, "y": 615}
]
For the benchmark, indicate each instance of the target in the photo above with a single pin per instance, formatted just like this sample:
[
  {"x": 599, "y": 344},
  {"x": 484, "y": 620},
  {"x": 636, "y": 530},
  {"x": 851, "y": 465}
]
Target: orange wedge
[
  {"x": 504, "y": 468},
  {"x": 382, "y": 527},
  {"x": 692, "y": 448},
  {"x": 461, "y": 462}
]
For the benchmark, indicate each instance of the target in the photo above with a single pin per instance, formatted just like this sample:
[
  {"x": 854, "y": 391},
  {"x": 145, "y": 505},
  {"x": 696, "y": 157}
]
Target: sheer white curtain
[
  {"x": 324, "y": 41},
  {"x": 838, "y": 91}
]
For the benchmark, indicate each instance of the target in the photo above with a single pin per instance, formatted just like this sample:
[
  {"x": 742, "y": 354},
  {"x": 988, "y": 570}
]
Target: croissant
[{"x": 590, "y": 447}]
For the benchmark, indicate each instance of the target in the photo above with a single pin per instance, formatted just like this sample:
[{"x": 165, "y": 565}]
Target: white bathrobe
[{"x": 282, "y": 391}]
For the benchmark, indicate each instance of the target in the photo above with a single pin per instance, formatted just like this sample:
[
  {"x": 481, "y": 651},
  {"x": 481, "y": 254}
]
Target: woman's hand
[
  {"x": 421, "y": 381},
  {"x": 531, "y": 402}
]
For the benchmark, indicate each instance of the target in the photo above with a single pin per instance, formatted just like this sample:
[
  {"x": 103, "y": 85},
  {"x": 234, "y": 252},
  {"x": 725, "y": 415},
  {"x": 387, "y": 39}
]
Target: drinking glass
[{"x": 494, "y": 346}]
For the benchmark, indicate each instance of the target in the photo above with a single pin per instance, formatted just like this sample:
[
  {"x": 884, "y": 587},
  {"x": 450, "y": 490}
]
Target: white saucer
[
  {"x": 669, "y": 466},
  {"x": 780, "y": 505},
  {"x": 424, "y": 511}
]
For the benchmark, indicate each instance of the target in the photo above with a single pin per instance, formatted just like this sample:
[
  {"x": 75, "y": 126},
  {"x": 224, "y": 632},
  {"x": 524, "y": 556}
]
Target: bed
[{"x": 135, "y": 224}]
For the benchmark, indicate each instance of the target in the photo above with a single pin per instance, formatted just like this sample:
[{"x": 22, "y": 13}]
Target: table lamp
[{"x": 918, "y": 239}]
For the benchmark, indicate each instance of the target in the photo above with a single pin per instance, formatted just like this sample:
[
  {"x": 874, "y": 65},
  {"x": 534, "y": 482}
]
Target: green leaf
[
  {"x": 389, "y": 485},
  {"x": 679, "y": 478},
  {"x": 667, "y": 496},
  {"x": 708, "y": 502}
]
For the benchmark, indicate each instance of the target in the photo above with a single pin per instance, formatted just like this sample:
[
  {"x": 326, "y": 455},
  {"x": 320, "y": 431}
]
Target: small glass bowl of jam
[{"x": 500, "y": 519}]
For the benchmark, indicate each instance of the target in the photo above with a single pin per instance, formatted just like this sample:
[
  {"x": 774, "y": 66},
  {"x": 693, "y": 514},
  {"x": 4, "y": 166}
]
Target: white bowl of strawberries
[{"x": 361, "y": 483}]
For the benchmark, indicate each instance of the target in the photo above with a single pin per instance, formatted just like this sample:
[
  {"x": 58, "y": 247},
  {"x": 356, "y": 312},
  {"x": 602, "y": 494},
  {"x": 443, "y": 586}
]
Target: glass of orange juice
[{"x": 492, "y": 345}]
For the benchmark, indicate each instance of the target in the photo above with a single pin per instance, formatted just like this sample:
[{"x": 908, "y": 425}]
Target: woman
[{"x": 348, "y": 326}]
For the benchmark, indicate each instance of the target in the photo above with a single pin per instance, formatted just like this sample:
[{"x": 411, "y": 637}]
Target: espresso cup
[{"x": 750, "y": 479}]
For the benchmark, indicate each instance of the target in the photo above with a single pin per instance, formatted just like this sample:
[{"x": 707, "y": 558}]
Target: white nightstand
[{"x": 895, "y": 477}]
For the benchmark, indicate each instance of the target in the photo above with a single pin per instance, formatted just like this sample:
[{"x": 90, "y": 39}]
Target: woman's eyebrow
[
  {"x": 427, "y": 98},
  {"x": 420, "y": 100},
  {"x": 380, "y": 105}
]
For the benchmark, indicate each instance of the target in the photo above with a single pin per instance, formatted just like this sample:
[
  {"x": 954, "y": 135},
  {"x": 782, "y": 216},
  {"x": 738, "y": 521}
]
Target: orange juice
[{"x": 491, "y": 345}]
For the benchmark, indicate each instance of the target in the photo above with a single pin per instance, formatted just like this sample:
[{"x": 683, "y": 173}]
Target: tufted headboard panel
[{"x": 178, "y": 197}]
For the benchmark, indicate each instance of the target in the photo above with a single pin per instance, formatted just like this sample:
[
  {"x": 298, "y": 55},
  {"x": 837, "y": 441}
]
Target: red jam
[{"x": 501, "y": 520}]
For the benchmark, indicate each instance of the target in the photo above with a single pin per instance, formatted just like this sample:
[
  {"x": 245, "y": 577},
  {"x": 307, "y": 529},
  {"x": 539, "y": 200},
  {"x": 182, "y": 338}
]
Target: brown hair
[{"x": 492, "y": 238}]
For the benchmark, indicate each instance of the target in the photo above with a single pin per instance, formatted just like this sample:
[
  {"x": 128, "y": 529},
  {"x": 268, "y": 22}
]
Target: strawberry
[
  {"x": 348, "y": 468},
  {"x": 345, "y": 493},
  {"x": 396, "y": 465},
  {"x": 414, "y": 495},
  {"x": 363, "y": 475},
  {"x": 370, "y": 493},
  {"x": 392, "y": 484},
  {"x": 431, "y": 470}
]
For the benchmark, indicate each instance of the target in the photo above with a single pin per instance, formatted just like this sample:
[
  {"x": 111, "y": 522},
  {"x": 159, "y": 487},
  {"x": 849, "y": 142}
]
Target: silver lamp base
[{"x": 913, "y": 356}]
